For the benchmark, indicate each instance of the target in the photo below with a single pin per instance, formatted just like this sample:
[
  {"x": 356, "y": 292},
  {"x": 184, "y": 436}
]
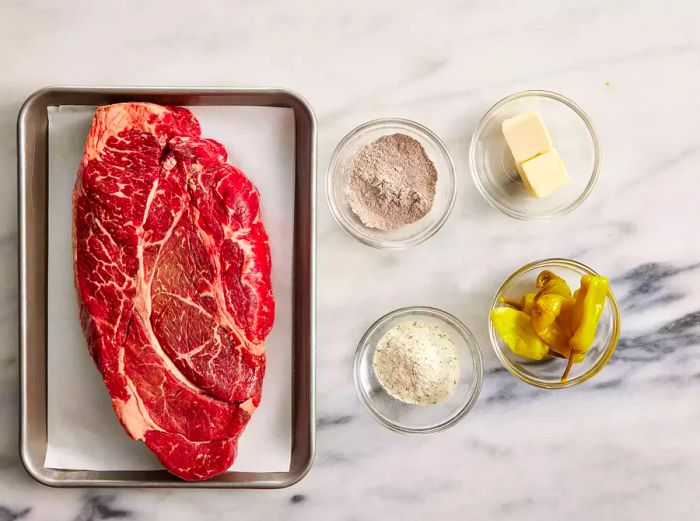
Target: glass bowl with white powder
[
  {"x": 418, "y": 370},
  {"x": 410, "y": 207}
]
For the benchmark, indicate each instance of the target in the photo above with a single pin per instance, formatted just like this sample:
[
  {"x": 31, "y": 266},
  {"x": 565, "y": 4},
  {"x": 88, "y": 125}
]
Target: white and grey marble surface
[{"x": 622, "y": 447}]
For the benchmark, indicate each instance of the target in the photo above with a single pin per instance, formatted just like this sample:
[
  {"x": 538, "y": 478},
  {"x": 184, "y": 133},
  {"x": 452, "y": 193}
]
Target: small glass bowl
[
  {"x": 547, "y": 373},
  {"x": 406, "y": 418},
  {"x": 339, "y": 172},
  {"x": 493, "y": 167}
]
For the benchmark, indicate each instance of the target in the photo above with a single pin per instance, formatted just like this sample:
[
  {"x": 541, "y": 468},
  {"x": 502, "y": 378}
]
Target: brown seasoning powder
[{"x": 392, "y": 182}]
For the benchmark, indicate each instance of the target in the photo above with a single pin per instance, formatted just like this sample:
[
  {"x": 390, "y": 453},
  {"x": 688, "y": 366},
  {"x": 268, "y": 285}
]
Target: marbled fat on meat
[{"x": 172, "y": 269}]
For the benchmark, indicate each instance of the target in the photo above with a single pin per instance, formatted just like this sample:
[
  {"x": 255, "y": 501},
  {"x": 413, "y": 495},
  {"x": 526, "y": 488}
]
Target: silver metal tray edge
[{"x": 32, "y": 140}]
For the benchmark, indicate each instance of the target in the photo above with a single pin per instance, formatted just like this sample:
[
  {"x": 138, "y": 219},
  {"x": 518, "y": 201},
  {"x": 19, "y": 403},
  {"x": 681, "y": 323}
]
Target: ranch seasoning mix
[{"x": 417, "y": 363}]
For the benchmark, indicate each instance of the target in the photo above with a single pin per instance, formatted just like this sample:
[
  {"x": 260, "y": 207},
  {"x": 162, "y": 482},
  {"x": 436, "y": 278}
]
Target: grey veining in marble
[{"x": 624, "y": 446}]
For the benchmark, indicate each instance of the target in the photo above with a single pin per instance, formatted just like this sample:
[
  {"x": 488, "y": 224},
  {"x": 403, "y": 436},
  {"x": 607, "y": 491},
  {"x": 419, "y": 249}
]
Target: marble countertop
[{"x": 621, "y": 447}]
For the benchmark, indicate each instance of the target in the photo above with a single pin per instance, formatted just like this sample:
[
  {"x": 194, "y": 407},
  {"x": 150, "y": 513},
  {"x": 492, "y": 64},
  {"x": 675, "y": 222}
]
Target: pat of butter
[
  {"x": 545, "y": 173},
  {"x": 526, "y": 136}
]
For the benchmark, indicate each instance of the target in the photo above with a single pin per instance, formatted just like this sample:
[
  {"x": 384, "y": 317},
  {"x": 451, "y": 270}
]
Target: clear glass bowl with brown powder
[{"x": 350, "y": 175}]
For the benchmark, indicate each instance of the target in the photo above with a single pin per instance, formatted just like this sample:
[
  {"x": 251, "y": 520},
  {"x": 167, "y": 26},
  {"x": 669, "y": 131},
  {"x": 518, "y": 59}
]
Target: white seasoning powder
[{"x": 417, "y": 363}]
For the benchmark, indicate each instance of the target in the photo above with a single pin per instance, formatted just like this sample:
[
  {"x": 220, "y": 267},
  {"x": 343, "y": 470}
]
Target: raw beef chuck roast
[{"x": 172, "y": 268}]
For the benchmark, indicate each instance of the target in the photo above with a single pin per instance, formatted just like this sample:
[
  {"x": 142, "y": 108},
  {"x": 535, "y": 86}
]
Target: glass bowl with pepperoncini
[{"x": 554, "y": 323}]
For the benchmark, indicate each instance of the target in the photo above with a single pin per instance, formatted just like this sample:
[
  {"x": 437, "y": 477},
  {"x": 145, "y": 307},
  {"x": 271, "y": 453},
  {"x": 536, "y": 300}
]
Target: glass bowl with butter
[{"x": 535, "y": 155}]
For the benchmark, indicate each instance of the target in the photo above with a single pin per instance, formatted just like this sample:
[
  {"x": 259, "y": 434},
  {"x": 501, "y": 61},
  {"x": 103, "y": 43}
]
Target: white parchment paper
[{"x": 83, "y": 432}]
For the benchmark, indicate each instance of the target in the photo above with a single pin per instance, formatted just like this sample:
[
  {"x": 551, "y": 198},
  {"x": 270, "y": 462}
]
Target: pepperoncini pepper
[
  {"x": 515, "y": 328},
  {"x": 524, "y": 304},
  {"x": 551, "y": 312},
  {"x": 550, "y": 283},
  {"x": 550, "y": 320},
  {"x": 585, "y": 315}
]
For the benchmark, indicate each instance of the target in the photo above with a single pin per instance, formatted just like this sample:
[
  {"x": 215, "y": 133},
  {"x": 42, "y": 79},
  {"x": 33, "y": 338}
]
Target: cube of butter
[
  {"x": 545, "y": 173},
  {"x": 526, "y": 136}
]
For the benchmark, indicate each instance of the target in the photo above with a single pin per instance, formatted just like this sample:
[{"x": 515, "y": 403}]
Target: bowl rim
[
  {"x": 595, "y": 174},
  {"x": 472, "y": 345},
  {"x": 597, "y": 367},
  {"x": 331, "y": 173}
]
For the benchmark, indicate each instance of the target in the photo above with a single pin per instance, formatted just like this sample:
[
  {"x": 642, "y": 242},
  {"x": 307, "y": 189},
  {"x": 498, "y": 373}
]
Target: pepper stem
[
  {"x": 569, "y": 365},
  {"x": 512, "y": 303}
]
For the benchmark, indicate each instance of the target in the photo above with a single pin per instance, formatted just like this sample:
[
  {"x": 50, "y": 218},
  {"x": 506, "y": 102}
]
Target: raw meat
[{"x": 172, "y": 268}]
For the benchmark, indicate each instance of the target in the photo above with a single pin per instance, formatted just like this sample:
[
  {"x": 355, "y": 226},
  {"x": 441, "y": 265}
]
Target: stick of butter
[
  {"x": 544, "y": 173},
  {"x": 526, "y": 136},
  {"x": 530, "y": 143}
]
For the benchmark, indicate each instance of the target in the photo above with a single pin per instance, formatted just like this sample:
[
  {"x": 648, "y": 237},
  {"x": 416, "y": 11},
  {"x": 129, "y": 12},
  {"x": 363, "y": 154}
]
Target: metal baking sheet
[{"x": 32, "y": 152}]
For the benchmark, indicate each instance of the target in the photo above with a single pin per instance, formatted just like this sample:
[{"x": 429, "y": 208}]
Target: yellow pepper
[
  {"x": 551, "y": 320},
  {"x": 585, "y": 315},
  {"x": 550, "y": 283},
  {"x": 590, "y": 302},
  {"x": 524, "y": 304},
  {"x": 548, "y": 320},
  {"x": 550, "y": 311},
  {"x": 515, "y": 328}
]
